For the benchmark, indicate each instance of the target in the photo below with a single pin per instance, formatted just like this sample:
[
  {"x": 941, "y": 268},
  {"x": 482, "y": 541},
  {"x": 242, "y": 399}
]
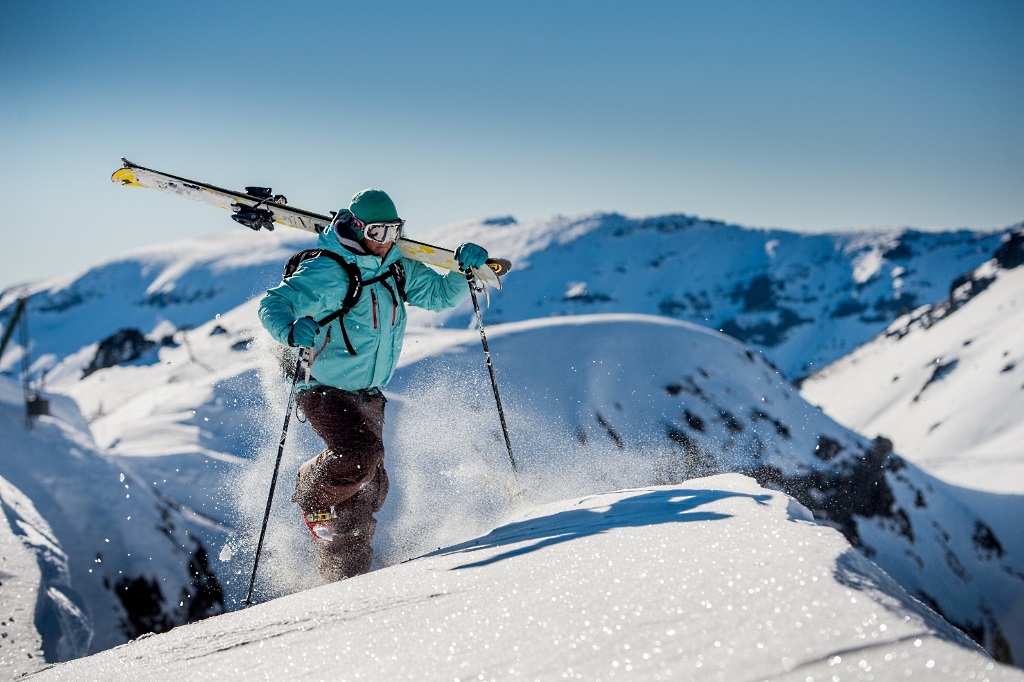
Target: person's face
[
  {"x": 376, "y": 248},
  {"x": 373, "y": 232}
]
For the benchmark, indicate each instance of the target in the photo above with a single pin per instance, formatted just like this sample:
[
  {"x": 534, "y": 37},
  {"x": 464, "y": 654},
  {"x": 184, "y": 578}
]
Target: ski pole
[
  {"x": 490, "y": 368},
  {"x": 273, "y": 481}
]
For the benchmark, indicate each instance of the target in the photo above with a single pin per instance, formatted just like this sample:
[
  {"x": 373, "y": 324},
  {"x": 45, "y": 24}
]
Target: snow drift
[{"x": 717, "y": 578}]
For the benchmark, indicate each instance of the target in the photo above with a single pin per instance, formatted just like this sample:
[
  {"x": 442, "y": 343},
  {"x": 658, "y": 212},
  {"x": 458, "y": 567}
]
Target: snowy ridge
[
  {"x": 712, "y": 579},
  {"x": 692, "y": 403}
]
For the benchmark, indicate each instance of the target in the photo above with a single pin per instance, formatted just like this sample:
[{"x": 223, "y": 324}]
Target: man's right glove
[
  {"x": 470, "y": 255},
  {"x": 304, "y": 332}
]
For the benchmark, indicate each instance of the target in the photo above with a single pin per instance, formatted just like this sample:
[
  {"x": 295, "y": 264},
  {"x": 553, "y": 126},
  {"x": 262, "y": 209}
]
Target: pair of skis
[{"x": 259, "y": 208}]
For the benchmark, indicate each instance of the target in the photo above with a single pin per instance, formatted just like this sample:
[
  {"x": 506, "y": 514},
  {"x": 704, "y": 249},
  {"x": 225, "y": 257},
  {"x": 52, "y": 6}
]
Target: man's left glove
[
  {"x": 470, "y": 255},
  {"x": 303, "y": 333}
]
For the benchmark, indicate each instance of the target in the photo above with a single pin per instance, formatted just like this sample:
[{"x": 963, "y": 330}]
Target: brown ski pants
[{"x": 348, "y": 477}]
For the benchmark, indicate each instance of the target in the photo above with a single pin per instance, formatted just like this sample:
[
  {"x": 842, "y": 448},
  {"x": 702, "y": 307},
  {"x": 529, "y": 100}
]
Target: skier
[{"x": 353, "y": 357}]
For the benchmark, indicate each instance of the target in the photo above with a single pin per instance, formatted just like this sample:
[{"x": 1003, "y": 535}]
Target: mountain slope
[
  {"x": 945, "y": 383},
  {"x": 116, "y": 558},
  {"x": 628, "y": 400},
  {"x": 712, "y": 579}
]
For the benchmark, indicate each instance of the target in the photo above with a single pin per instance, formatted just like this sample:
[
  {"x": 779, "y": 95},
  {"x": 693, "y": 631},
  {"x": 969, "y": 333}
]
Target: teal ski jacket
[{"x": 375, "y": 325}]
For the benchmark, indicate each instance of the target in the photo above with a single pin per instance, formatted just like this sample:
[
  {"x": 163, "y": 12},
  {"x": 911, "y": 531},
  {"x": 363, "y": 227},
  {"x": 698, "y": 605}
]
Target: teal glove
[
  {"x": 304, "y": 332},
  {"x": 470, "y": 255}
]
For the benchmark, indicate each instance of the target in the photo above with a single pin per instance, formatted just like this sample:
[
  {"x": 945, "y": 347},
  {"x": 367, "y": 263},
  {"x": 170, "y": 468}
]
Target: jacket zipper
[{"x": 373, "y": 296}]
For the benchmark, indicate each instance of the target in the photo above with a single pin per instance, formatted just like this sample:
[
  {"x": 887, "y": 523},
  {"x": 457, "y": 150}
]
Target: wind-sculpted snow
[
  {"x": 710, "y": 579},
  {"x": 40, "y": 619}
]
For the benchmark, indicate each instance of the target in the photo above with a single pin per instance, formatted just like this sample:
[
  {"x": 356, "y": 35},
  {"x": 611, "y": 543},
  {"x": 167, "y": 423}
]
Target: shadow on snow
[{"x": 654, "y": 507}]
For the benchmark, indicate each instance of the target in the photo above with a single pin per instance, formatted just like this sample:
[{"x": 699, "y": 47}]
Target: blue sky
[{"x": 803, "y": 115}]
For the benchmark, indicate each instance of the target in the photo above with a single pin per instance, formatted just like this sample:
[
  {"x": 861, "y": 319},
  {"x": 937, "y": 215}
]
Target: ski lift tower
[{"x": 35, "y": 404}]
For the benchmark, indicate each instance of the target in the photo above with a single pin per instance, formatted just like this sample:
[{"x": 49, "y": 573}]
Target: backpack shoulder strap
[
  {"x": 293, "y": 263},
  {"x": 355, "y": 278},
  {"x": 355, "y": 286},
  {"x": 398, "y": 271}
]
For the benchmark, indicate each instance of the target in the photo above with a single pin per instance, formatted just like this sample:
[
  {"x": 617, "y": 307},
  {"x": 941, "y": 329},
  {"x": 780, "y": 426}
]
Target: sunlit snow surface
[{"x": 712, "y": 579}]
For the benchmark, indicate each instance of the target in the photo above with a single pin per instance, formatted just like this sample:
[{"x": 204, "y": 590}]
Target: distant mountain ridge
[{"x": 803, "y": 299}]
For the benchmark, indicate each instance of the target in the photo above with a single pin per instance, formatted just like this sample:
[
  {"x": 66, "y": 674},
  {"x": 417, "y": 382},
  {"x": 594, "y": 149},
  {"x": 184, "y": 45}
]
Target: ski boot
[{"x": 318, "y": 522}]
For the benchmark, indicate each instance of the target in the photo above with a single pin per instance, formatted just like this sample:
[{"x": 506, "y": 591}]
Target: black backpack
[{"x": 355, "y": 285}]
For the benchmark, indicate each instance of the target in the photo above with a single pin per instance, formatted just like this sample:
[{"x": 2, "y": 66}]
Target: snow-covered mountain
[
  {"x": 713, "y": 579},
  {"x": 946, "y": 382},
  {"x": 184, "y": 396},
  {"x": 804, "y": 299}
]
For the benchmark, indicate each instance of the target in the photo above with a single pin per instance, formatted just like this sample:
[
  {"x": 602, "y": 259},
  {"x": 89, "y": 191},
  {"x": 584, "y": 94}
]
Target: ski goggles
[{"x": 380, "y": 232}]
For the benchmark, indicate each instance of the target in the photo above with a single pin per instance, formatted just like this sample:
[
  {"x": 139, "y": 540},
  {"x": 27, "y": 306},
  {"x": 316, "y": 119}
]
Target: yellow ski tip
[{"x": 125, "y": 176}]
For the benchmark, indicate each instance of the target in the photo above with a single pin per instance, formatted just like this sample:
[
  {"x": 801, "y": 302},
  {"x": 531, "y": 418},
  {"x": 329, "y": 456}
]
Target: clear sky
[{"x": 804, "y": 115}]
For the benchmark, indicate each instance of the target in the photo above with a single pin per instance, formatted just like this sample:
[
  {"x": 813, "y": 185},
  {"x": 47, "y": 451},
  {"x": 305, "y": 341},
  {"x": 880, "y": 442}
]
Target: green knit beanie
[{"x": 373, "y": 206}]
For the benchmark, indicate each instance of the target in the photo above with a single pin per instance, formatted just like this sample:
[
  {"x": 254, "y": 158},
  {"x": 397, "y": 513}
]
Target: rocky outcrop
[
  {"x": 123, "y": 346},
  {"x": 146, "y": 608}
]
